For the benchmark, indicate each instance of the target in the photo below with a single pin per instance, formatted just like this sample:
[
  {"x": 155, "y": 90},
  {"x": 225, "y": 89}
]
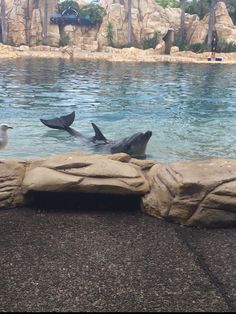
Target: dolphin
[{"x": 134, "y": 145}]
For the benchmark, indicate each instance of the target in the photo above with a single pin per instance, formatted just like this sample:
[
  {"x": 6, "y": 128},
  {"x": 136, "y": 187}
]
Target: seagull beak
[{"x": 10, "y": 127}]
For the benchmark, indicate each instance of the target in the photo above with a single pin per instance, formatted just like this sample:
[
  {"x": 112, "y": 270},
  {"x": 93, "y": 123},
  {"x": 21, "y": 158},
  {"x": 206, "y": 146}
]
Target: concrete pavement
[{"x": 112, "y": 260}]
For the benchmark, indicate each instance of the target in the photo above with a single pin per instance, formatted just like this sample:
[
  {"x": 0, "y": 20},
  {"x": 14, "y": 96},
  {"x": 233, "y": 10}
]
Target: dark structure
[
  {"x": 70, "y": 17},
  {"x": 168, "y": 39}
]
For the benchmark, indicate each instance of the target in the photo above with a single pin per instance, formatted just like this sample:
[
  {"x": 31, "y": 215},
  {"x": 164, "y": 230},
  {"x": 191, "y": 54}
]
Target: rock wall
[
  {"x": 146, "y": 18},
  {"x": 194, "y": 193},
  {"x": 26, "y": 20},
  {"x": 197, "y": 29}
]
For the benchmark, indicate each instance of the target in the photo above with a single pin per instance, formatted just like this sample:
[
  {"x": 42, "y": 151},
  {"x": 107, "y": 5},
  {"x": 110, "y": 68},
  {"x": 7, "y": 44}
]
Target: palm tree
[
  {"x": 3, "y": 22},
  {"x": 182, "y": 20},
  {"x": 129, "y": 23},
  {"x": 45, "y": 23},
  {"x": 211, "y": 21},
  {"x": 27, "y": 23}
]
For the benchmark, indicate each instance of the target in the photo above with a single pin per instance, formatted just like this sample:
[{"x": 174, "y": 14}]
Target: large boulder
[
  {"x": 197, "y": 193},
  {"x": 16, "y": 22},
  {"x": 147, "y": 17},
  {"x": 224, "y": 25},
  {"x": 90, "y": 173},
  {"x": 11, "y": 176},
  {"x": 197, "y": 29},
  {"x": 7, "y": 52},
  {"x": 25, "y": 20}
]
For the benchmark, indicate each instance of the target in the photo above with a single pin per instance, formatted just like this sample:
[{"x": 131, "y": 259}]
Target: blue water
[{"x": 191, "y": 109}]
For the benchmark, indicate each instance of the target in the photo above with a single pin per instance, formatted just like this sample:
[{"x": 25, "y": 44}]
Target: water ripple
[{"x": 190, "y": 108}]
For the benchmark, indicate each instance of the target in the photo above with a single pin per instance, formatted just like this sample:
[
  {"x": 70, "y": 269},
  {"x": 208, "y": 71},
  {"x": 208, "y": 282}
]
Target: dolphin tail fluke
[
  {"x": 98, "y": 134},
  {"x": 62, "y": 122}
]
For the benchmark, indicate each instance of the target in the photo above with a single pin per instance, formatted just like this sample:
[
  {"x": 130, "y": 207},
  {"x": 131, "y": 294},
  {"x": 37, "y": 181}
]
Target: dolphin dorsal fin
[{"x": 98, "y": 134}]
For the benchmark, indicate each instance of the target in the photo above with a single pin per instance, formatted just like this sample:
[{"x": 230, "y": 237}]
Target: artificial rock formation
[
  {"x": 26, "y": 24},
  {"x": 197, "y": 29},
  {"x": 25, "y": 20},
  {"x": 196, "y": 193},
  {"x": 11, "y": 177},
  {"x": 85, "y": 173},
  {"x": 146, "y": 18},
  {"x": 200, "y": 193}
]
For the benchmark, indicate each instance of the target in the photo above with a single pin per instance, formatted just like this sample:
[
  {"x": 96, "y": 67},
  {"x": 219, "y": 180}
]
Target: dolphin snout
[{"x": 148, "y": 134}]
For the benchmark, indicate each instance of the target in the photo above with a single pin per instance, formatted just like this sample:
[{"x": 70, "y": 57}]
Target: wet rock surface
[{"x": 112, "y": 260}]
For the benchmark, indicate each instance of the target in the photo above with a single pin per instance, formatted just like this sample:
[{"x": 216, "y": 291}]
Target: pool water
[{"x": 191, "y": 109}]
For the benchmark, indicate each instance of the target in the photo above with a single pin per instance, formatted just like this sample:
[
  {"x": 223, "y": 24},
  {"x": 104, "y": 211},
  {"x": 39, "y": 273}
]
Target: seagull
[{"x": 4, "y": 135}]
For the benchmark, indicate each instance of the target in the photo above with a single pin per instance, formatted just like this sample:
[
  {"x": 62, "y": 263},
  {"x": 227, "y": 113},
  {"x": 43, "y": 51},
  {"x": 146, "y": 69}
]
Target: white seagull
[{"x": 4, "y": 135}]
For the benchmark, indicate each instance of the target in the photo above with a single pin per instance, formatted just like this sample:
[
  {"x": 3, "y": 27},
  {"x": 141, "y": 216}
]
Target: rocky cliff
[{"x": 28, "y": 24}]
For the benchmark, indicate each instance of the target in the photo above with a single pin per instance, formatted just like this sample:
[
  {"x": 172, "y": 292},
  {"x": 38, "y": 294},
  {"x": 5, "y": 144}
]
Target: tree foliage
[
  {"x": 94, "y": 12},
  {"x": 202, "y": 7},
  {"x": 148, "y": 43},
  {"x": 66, "y": 4},
  {"x": 199, "y": 7},
  {"x": 231, "y": 6},
  {"x": 168, "y": 3}
]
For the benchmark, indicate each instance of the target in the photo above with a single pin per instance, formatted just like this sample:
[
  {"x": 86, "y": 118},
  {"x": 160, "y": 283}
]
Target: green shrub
[
  {"x": 184, "y": 46},
  {"x": 121, "y": 46},
  {"x": 110, "y": 34},
  {"x": 198, "y": 48},
  {"x": 224, "y": 46},
  {"x": 181, "y": 43},
  {"x": 64, "y": 41},
  {"x": 168, "y": 3},
  {"x": 148, "y": 43}
]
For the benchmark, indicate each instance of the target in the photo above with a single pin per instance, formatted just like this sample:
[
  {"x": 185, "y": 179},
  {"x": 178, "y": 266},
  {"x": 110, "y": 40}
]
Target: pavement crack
[{"x": 200, "y": 260}]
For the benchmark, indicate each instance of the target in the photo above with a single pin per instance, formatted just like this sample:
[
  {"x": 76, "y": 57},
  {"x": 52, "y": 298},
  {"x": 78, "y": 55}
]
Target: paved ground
[{"x": 112, "y": 260}]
